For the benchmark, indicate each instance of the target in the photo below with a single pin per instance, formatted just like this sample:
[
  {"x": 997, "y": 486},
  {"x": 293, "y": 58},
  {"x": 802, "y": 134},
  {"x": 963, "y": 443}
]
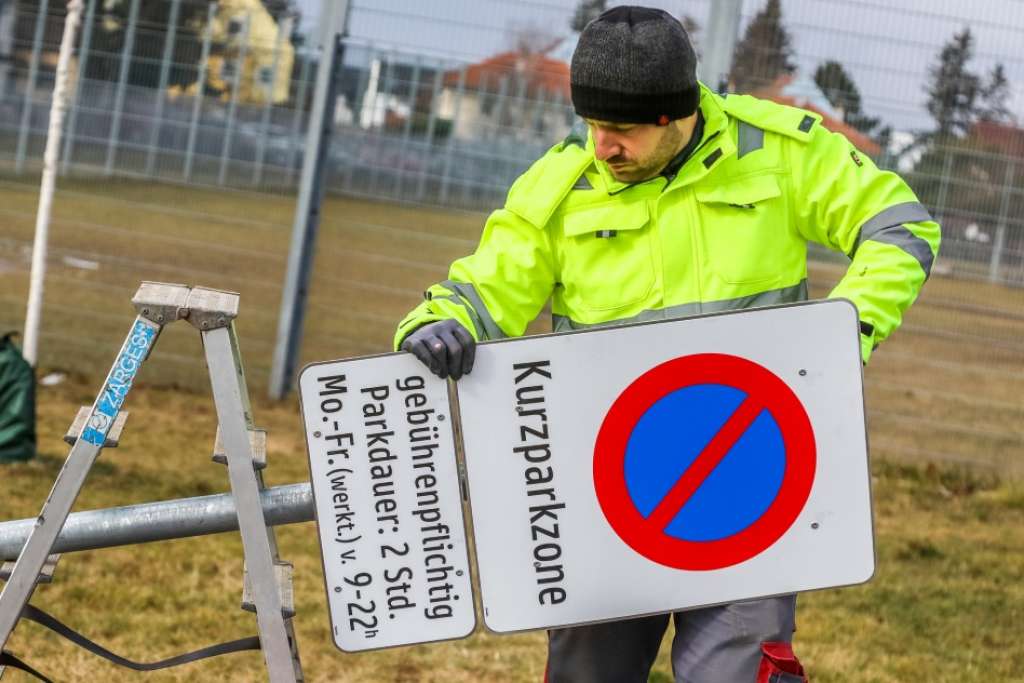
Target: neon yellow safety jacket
[{"x": 729, "y": 231}]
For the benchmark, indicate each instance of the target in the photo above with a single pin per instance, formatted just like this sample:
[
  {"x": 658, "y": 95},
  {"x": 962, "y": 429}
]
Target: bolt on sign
[{"x": 614, "y": 473}]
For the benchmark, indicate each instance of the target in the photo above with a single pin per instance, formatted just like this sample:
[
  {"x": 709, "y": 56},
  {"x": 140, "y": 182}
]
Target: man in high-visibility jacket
[{"x": 675, "y": 201}]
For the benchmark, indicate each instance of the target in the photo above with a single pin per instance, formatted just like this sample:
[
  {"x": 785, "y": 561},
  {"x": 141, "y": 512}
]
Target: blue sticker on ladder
[{"x": 119, "y": 382}]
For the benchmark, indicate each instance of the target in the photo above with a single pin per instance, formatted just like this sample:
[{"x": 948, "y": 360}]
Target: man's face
[{"x": 635, "y": 151}]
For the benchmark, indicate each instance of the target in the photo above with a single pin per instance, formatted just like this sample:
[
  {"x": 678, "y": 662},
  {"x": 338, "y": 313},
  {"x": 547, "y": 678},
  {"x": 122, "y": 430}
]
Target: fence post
[
  {"x": 30, "y": 88},
  {"x": 48, "y": 183},
  {"x": 300, "y": 102},
  {"x": 161, "y": 90},
  {"x": 197, "y": 103},
  {"x": 445, "y": 179},
  {"x": 236, "y": 85},
  {"x": 381, "y": 136},
  {"x": 295, "y": 292},
  {"x": 357, "y": 118},
  {"x": 940, "y": 204},
  {"x": 403, "y": 155},
  {"x": 428, "y": 139},
  {"x": 722, "y": 30},
  {"x": 1004, "y": 214},
  {"x": 284, "y": 29},
  {"x": 8, "y": 20},
  {"x": 83, "y": 62},
  {"x": 122, "y": 84}
]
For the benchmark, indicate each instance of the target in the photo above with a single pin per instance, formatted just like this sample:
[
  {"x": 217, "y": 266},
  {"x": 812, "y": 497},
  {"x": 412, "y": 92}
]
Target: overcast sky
[{"x": 887, "y": 45}]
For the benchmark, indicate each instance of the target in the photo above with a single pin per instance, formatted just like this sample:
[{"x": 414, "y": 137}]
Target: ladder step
[
  {"x": 113, "y": 435},
  {"x": 283, "y": 572},
  {"x": 161, "y": 302},
  {"x": 209, "y": 309},
  {"x": 257, "y": 442},
  {"x": 45, "y": 574}
]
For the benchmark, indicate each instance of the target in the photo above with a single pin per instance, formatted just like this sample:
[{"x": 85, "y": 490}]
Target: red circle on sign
[{"x": 765, "y": 391}]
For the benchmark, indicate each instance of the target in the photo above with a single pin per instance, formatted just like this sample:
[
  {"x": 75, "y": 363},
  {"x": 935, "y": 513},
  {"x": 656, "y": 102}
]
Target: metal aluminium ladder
[{"x": 267, "y": 585}]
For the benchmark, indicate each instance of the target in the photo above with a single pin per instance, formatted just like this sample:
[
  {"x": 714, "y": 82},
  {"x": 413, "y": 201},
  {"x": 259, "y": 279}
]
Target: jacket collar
[{"x": 715, "y": 147}]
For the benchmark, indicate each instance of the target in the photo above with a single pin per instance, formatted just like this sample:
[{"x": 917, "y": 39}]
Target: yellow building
[{"x": 245, "y": 27}]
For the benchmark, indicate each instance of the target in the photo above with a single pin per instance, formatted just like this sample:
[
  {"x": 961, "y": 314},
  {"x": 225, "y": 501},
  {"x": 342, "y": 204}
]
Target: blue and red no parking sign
[{"x": 704, "y": 461}]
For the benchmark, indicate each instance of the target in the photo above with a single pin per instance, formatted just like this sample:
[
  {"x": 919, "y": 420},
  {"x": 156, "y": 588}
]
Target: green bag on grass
[{"x": 17, "y": 403}]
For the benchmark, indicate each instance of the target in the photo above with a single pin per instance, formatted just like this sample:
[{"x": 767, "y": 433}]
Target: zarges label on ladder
[{"x": 388, "y": 502}]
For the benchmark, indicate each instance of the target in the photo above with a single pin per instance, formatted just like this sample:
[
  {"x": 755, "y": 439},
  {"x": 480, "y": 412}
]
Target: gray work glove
[{"x": 443, "y": 346}]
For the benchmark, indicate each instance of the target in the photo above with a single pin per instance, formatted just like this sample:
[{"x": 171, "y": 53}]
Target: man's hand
[{"x": 443, "y": 346}]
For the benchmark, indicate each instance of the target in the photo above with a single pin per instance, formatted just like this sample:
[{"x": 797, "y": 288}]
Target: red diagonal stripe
[{"x": 705, "y": 463}]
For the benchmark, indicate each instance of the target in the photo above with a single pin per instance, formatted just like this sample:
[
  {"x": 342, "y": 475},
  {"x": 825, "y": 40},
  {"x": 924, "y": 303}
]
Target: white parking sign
[
  {"x": 388, "y": 502},
  {"x": 611, "y": 473}
]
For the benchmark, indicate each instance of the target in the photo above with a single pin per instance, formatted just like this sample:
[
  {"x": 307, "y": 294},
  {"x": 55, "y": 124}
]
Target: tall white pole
[{"x": 57, "y": 110}]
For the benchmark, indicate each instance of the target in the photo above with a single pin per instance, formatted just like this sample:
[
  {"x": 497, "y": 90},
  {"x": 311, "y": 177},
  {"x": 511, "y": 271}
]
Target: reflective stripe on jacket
[{"x": 729, "y": 231}]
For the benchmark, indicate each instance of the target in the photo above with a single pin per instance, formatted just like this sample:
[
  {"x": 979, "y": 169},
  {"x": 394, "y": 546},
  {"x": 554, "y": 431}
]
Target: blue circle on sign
[{"x": 672, "y": 434}]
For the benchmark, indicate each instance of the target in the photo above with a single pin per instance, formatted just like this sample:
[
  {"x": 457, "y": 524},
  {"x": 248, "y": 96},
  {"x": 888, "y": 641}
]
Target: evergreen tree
[
  {"x": 842, "y": 93},
  {"x": 586, "y": 11},
  {"x": 765, "y": 51},
  {"x": 994, "y": 95},
  {"x": 953, "y": 90}
]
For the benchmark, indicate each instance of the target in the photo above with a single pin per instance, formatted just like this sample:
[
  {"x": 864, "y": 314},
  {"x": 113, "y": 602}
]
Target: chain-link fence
[{"x": 184, "y": 142}]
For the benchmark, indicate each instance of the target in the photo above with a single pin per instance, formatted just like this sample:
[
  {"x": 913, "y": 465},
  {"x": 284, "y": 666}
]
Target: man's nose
[{"x": 606, "y": 145}]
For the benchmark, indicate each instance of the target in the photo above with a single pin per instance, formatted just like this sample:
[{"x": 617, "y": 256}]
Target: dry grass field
[{"x": 944, "y": 398}]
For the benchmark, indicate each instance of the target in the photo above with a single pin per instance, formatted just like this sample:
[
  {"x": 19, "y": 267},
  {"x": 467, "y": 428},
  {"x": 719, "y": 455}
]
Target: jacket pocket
[
  {"x": 744, "y": 226},
  {"x": 607, "y": 256}
]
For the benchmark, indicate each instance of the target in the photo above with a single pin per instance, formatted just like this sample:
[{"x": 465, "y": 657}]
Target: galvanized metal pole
[
  {"x": 999, "y": 244},
  {"x": 284, "y": 29},
  {"x": 30, "y": 88},
  {"x": 161, "y": 521},
  {"x": 161, "y": 89},
  {"x": 307, "y": 208},
  {"x": 236, "y": 85},
  {"x": 58, "y": 106},
  {"x": 722, "y": 31},
  {"x": 122, "y": 84},
  {"x": 197, "y": 103},
  {"x": 83, "y": 63}
]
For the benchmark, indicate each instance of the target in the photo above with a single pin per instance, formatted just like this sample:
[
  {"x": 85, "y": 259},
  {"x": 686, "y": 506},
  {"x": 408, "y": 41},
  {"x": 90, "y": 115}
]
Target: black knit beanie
[{"x": 634, "y": 65}]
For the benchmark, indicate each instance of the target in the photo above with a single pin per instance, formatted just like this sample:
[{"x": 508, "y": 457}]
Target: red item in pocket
[{"x": 779, "y": 664}]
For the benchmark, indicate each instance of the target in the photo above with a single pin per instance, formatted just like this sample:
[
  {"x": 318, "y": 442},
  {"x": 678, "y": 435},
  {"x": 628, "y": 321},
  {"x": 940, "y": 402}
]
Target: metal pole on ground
[
  {"x": 58, "y": 107},
  {"x": 160, "y": 521},
  {"x": 720, "y": 43},
  {"x": 30, "y": 88},
  {"x": 76, "y": 103},
  {"x": 122, "y": 84},
  {"x": 197, "y": 103},
  {"x": 161, "y": 89},
  {"x": 311, "y": 191}
]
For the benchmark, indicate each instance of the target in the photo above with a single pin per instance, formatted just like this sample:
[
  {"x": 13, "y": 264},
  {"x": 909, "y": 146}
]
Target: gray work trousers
[{"x": 711, "y": 645}]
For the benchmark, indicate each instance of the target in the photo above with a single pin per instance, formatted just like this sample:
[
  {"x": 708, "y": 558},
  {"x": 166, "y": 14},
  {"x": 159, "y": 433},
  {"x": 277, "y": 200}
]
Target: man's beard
[{"x": 637, "y": 170}]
